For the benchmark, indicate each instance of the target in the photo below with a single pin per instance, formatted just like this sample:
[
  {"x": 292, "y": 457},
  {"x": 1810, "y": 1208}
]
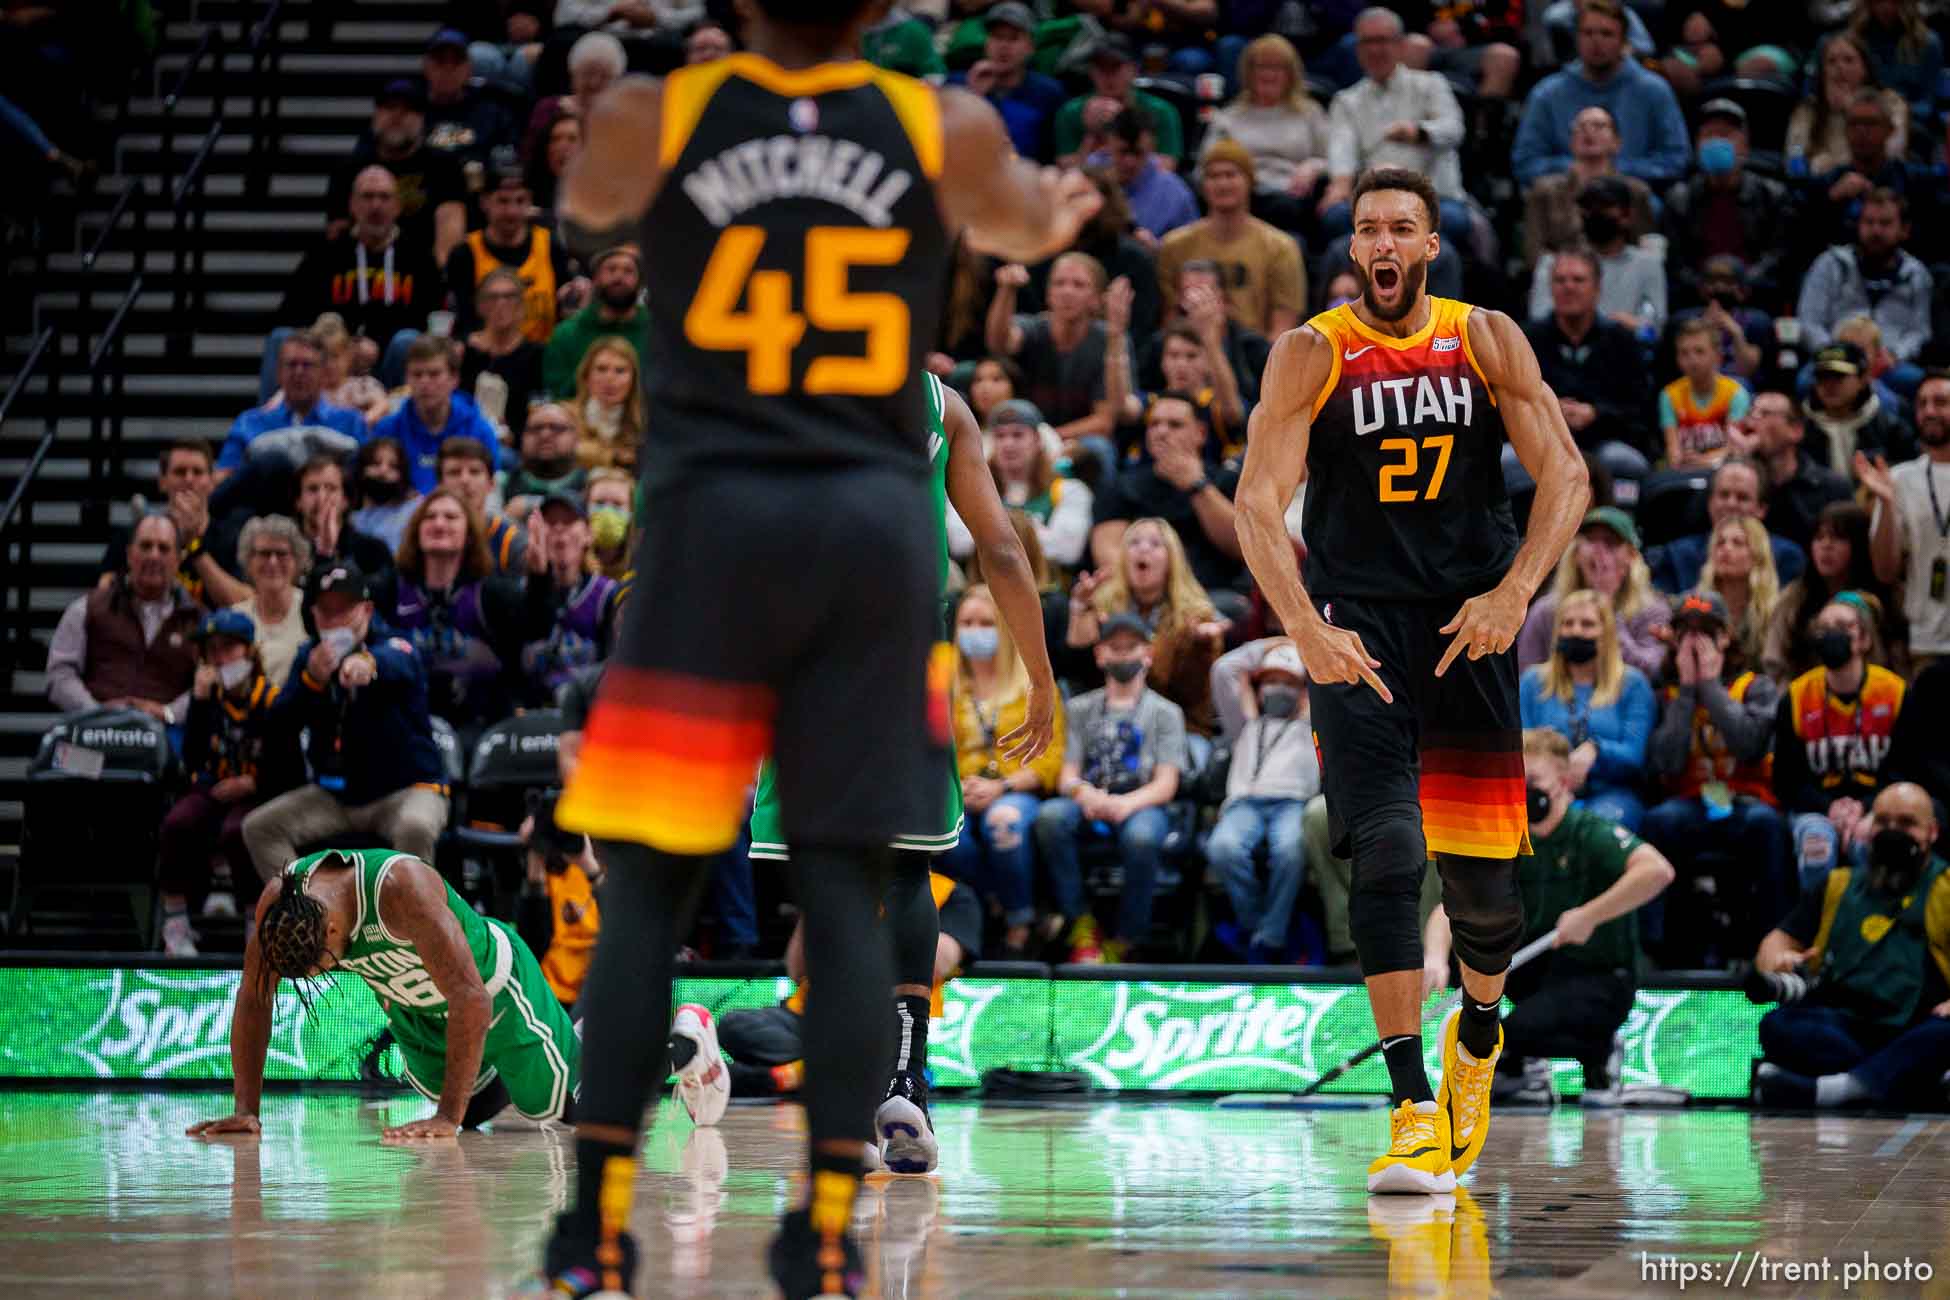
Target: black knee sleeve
[
  {"x": 1485, "y": 910},
  {"x": 1390, "y": 856},
  {"x": 915, "y": 920}
]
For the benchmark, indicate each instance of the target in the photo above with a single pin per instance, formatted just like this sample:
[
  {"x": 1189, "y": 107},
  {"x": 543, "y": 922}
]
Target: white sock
[{"x": 1838, "y": 1090}]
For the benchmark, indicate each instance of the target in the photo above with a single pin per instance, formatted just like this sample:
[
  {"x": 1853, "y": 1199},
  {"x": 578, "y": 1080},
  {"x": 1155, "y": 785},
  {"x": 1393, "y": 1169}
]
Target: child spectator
[{"x": 1697, "y": 409}]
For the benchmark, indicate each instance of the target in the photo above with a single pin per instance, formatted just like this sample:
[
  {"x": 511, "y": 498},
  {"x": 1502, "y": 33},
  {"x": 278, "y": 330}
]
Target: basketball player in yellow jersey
[{"x": 1394, "y": 409}]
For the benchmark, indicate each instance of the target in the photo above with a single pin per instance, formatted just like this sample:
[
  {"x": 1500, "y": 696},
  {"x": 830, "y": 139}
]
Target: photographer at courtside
[{"x": 1861, "y": 968}]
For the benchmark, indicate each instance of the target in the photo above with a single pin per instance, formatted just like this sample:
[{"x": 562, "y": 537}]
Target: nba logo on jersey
[
  {"x": 804, "y": 116},
  {"x": 1447, "y": 344}
]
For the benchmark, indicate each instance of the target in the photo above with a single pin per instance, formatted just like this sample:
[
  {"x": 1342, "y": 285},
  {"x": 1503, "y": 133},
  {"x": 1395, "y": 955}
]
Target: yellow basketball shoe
[
  {"x": 1418, "y": 1152},
  {"x": 1419, "y": 1234},
  {"x": 1464, "y": 1096}
]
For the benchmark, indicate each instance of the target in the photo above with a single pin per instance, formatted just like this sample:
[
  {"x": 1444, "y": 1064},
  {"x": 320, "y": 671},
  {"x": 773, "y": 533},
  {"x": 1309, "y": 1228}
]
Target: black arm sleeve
[{"x": 534, "y": 919}]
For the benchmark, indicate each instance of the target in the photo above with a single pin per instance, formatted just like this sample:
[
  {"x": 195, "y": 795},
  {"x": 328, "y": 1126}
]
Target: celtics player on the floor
[
  {"x": 958, "y": 473},
  {"x": 1394, "y": 409},
  {"x": 476, "y": 1022}
]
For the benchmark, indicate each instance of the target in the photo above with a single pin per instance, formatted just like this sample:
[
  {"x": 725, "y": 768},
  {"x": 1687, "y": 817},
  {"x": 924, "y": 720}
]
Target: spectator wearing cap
[
  {"x": 275, "y": 556},
  {"x": 130, "y": 644},
  {"x": 1605, "y": 559},
  {"x": 1159, "y": 199},
  {"x": 899, "y": 42},
  {"x": 1602, "y": 706},
  {"x": 1060, "y": 349},
  {"x": 1179, "y": 482},
  {"x": 1710, "y": 753},
  {"x": 1026, "y": 476},
  {"x": 614, "y": 308},
  {"x": 1284, "y": 129},
  {"x": 1260, "y": 266},
  {"x": 584, "y": 602},
  {"x": 550, "y": 289},
  {"x": 231, "y": 756},
  {"x": 467, "y": 470},
  {"x": 1652, "y": 131},
  {"x": 361, "y": 693},
  {"x": 1596, "y": 369},
  {"x": 381, "y": 284},
  {"x": 1738, "y": 488},
  {"x": 1027, "y": 100},
  {"x": 1875, "y": 277},
  {"x": 1911, "y": 533},
  {"x": 1083, "y": 123},
  {"x": 1275, "y": 771},
  {"x": 1847, "y": 414},
  {"x": 1726, "y": 210},
  {"x": 463, "y": 120},
  {"x": 1632, "y": 279},
  {"x": 1397, "y": 116},
  {"x": 433, "y": 412},
  {"x": 432, "y": 188},
  {"x": 1552, "y": 218},
  {"x": 1122, "y": 761},
  {"x": 1801, "y": 487}
]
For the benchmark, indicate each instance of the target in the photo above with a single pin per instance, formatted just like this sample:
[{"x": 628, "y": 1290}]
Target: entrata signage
[{"x": 1132, "y": 1035}]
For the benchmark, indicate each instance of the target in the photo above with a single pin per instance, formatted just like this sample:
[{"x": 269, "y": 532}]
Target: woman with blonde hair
[
  {"x": 275, "y": 556},
  {"x": 1154, "y": 581},
  {"x": 1605, "y": 559},
  {"x": 1602, "y": 705},
  {"x": 1817, "y": 132},
  {"x": 999, "y": 794},
  {"x": 608, "y": 404},
  {"x": 1283, "y": 127},
  {"x": 1740, "y": 566}
]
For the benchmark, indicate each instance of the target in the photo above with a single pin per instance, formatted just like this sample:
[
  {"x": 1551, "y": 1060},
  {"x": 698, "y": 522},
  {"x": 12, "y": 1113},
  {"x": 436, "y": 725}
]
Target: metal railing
[
  {"x": 19, "y": 505},
  {"x": 267, "y": 126}
]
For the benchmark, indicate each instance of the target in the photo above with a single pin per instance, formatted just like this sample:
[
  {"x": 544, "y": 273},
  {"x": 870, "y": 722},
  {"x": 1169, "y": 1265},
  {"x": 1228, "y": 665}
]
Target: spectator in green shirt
[
  {"x": 1083, "y": 123},
  {"x": 614, "y": 309},
  {"x": 1584, "y": 877},
  {"x": 900, "y": 42}
]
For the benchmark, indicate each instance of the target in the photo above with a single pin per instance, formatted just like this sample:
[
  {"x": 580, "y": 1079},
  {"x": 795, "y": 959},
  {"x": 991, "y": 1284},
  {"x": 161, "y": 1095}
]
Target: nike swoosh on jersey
[{"x": 1349, "y": 356}]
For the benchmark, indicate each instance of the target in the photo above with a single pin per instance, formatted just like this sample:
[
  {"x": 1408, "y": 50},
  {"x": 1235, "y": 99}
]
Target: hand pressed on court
[
  {"x": 1334, "y": 654},
  {"x": 431, "y": 1129},
  {"x": 1485, "y": 625},
  {"x": 228, "y": 1124}
]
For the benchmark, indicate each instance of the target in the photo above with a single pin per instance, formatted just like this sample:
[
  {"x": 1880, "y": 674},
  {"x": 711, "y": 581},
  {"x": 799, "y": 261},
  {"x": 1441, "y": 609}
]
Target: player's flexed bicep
[
  {"x": 1301, "y": 365},
  {"x": 611, "y": 181},
  {"x": 412, "y": 904}
]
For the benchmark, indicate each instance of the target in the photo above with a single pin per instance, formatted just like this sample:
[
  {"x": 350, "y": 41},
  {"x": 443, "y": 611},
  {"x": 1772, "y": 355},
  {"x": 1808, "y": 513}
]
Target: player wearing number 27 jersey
[{"x": 1394, "y": 410}]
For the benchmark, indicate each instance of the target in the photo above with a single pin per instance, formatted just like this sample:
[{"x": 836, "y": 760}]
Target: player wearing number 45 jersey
[
  {"x": 1394, "y": 409},
  {"x": 473, "y": 1015},
  {"x": 797, "y": 208}
]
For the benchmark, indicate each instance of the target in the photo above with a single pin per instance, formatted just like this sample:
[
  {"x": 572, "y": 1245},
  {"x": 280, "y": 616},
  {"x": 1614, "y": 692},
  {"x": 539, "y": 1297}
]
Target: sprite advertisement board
[{"x": 106, "y": 1023}]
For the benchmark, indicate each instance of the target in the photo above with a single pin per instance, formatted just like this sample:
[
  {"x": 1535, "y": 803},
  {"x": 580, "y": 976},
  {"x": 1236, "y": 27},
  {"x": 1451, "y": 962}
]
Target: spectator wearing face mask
[
  {"x": 1874, "y": 944},
  {"x": 1585, "y": 877},
  {"x": 1832, "y": 738},
  {"x": 1602, "y": 706},
  {"x": 612, "y": 511},
  {"x": 226, "y": 743},
  {"x": 1745, "y": 334},
  {"x": 1121, "y": 766},
  {"x": 361, "y": 693},
  {"x": 1605, "y": 559},
  {"x": 1726, "y": 210},
  {"x": 1839, "y": 560},
  {"x": 1275, "y": 771},
  {"x": 386, "y": 494},
  {"x": 1552, "y": 219}
]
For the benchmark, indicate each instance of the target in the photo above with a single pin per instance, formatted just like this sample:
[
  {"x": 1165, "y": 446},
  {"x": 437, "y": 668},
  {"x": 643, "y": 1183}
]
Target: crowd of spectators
[{"x": 1721, "y": 233}]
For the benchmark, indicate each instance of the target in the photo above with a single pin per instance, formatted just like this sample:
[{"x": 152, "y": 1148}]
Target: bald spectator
[
  {"x": 380, "y": 284},
  {"x": 130, "y": 644},
  {"x": 1551, "y": 216},
  {"x": 432, "y": 190},
  {"x": 463, "y": 121},
  {"x": 1653, "y": 144},
  {"x": 1264, "y": 277}
]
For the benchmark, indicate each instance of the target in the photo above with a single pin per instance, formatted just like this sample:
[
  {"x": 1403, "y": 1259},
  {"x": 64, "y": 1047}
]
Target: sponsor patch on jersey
[
  {"x": 1447, "y": 343},
  {"x": 804, "y": 115}
]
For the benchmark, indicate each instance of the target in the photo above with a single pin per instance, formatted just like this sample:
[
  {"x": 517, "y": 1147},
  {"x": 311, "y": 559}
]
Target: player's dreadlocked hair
[{"x": 292, "y": 935}]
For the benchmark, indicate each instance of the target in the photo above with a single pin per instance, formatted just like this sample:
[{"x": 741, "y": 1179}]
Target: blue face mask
[
  {"x": 1717, "y": 157},
  {"x": 978, "y": 642}
]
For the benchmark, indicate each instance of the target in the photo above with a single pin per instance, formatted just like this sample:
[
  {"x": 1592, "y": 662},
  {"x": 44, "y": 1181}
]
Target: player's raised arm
[
  {"x": 610, "y": 183},
  {"x": 412, "y": 904},
  {"x": 1488, "y": 624},
  {"x": 250, "y": 1032},
  {"x": 1007, "y": 206},
  {"x": 1276, "y": 462},
  {"x": 971, "y": 490}
]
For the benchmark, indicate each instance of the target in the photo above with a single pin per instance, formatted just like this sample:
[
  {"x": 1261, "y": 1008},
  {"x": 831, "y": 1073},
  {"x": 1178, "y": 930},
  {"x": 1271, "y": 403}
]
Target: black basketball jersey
[
  {"x": 794, "y": 261},
  {"x": 1405, "y": 496}
]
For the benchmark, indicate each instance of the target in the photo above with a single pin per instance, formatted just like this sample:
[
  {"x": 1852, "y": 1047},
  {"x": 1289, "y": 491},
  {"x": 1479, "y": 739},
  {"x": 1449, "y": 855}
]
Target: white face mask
[
  {"x": 234, "y": 674},
  {"x": 339, "y": 640}
]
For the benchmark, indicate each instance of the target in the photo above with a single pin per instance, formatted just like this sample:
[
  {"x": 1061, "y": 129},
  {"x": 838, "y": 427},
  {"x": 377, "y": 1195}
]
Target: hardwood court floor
[{"x": 104, "y": 1196}]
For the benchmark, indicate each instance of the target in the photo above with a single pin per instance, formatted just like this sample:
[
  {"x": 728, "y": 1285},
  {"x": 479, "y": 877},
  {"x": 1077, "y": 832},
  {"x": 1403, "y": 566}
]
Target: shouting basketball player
[
  {"x": 1394, "y": 409},
  {"x": 796, "y": 207}
]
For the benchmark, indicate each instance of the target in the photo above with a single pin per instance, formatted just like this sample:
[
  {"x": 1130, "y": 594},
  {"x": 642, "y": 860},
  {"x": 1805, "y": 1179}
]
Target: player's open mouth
[{"x": 1386, "y": 277}]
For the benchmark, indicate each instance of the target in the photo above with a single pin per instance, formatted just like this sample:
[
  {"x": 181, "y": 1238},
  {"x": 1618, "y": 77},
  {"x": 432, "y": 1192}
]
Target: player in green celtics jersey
[
  {"x": 467, "y": 1002},
  {"x": 959, "y": 473}
]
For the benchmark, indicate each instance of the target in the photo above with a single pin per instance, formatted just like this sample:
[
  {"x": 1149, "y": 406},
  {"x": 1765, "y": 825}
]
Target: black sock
[
  {"x": 1407, "y": 1080},
  {"x": 592, "y": 1161},
  {"x": 1478, "y": 1030},
  {"x": 911, "y": 1048}
]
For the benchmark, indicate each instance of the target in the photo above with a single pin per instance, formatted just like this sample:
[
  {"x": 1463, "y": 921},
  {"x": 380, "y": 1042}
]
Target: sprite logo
[
  {"x": 159, "y": 1024},
  {"x": 1167, "y": 1036}
]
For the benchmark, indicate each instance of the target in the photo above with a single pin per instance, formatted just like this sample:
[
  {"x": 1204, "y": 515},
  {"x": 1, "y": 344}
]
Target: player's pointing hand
[
  {"x": 1486, "y": 625},
  {"x": 1335, "y": 654}
]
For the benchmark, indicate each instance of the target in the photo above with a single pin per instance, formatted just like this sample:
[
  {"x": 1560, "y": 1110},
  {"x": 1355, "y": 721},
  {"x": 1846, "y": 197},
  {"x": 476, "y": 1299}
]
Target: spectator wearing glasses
[
  {"x": 1552, "y": 219},
  {"x": 548, "y": 459},
  {"x": 275, "y": 557},
  {"x": 129, "y": 645},
  {"x": 301, "y": 378},
  {"x": 511, "y": 241},
  {"x": 1654, "y": 146},
  {"x": 499, "y": 348}
]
